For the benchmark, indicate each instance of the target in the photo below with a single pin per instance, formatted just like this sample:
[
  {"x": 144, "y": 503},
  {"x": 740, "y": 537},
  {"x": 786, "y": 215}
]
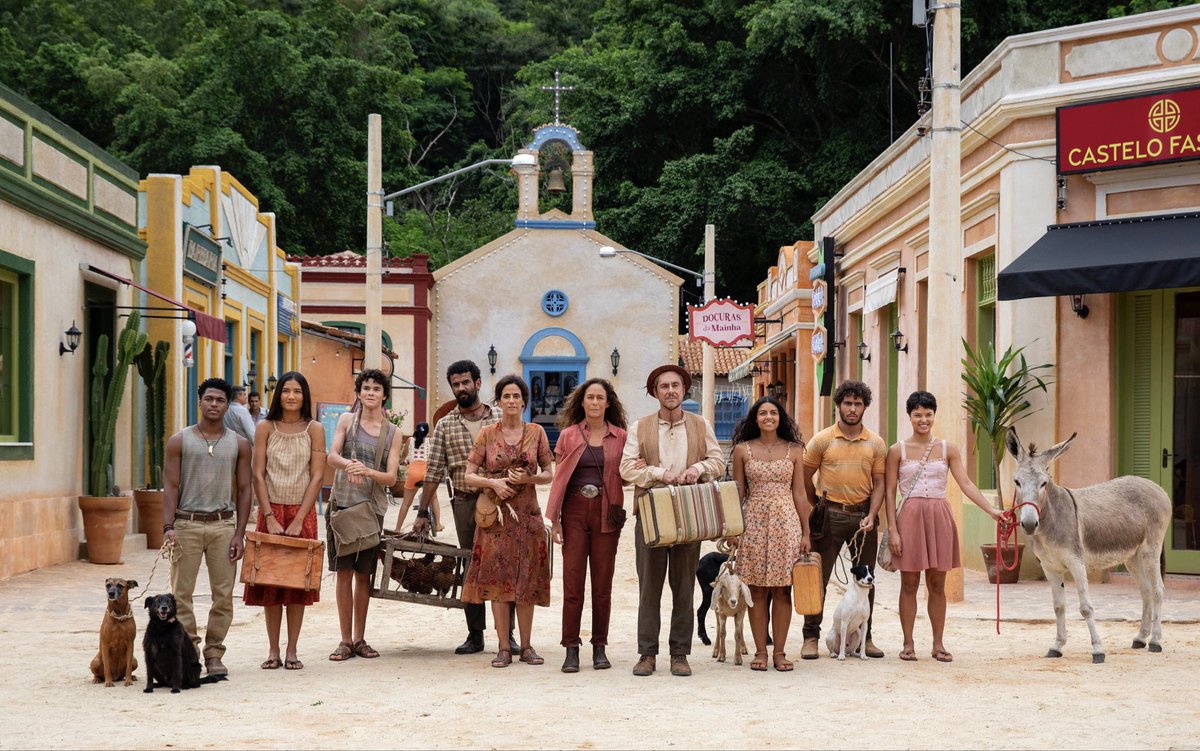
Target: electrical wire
[{"x": 1014, "y": 151}]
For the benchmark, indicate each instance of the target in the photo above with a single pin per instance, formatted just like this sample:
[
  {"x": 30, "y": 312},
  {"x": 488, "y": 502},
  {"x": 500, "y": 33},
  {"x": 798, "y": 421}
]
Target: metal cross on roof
[{"x": 557, "y": 88}]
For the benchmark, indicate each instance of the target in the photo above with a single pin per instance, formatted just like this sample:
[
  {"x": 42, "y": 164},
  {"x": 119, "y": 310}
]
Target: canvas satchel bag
[
  {"x": 356, "y": 528},
  {"x": 883, "y": 558}
]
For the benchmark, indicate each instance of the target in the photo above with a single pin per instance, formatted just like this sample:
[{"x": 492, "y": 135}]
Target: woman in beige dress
[{"x": 289, "y": 464}]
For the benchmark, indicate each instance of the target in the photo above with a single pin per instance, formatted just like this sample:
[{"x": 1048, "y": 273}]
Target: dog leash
[
  {"x": 1006, "y": 531},
  {"x": 167, "y": 552},
  {"x": 854, "y": 549}
]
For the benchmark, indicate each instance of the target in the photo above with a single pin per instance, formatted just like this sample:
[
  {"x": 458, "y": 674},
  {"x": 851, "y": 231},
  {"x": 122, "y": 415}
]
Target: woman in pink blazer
[{"x": 586, "y": 507}]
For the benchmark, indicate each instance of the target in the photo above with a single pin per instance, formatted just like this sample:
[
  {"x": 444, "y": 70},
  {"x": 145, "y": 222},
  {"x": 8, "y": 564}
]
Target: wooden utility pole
[
  {"x": 373, "y": 346},
  {"x": 707, "y": 387}
]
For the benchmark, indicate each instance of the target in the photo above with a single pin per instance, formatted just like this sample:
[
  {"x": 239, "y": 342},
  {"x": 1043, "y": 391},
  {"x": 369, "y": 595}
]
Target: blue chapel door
[{"x": 551, "y": 378}]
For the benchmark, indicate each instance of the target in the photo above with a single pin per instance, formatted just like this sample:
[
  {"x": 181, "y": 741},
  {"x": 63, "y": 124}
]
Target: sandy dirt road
[{"x": 998, "y": 693}]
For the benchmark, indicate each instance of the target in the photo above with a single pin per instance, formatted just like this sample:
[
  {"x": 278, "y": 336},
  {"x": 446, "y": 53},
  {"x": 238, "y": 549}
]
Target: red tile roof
[
  {"x": 347, "y": 259},
  {"x": 692, "y": 355}
]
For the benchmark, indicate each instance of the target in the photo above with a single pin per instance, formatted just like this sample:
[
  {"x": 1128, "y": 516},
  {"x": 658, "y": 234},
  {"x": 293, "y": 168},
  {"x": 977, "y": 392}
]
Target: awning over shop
[
  {"x": 209, "y": 327},
  {"x": 1119, "y": 255},
  {"x": 881, "y": 292},
  {"x": 742, "y": 369}
]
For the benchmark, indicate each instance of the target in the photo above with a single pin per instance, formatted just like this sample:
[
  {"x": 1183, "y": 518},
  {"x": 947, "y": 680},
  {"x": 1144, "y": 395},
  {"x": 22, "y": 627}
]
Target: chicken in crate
[{"x": 421, "y": 570}]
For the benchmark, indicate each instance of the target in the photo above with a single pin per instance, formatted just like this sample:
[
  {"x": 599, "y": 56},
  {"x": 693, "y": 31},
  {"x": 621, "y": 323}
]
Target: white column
[{"x": 943, "y": 366}]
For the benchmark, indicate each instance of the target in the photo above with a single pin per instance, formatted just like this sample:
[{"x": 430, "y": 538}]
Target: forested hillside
[{"x": 744, "y": 114}]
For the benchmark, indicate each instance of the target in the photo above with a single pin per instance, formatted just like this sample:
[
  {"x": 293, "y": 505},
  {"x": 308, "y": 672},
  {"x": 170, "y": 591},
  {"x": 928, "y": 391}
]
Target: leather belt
[
  {"x": 587, "y": 491},
  {"x": 850, "y": 508},
  {"x": 210, "y": 516}
]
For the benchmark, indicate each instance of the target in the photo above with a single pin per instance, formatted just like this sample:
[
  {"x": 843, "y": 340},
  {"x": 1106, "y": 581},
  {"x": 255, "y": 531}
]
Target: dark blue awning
[{"x": 1118, "y": 255}]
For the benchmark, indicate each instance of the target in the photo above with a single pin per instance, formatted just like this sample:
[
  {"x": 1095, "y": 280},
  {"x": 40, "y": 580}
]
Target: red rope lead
[{"x": 1006, "y": 532}]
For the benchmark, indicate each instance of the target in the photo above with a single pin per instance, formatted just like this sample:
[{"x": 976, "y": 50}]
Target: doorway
[{"x": 1159, "y": 403}]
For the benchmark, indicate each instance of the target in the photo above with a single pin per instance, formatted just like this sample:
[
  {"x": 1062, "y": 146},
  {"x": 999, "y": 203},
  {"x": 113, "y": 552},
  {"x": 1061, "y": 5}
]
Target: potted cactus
[
  {"x": 152, "y": 367},
  {"x": 105, "y": 511}
]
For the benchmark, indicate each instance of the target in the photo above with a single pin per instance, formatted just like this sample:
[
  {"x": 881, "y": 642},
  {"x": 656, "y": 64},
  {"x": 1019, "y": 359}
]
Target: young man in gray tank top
[{"x": 199, "y": 520}]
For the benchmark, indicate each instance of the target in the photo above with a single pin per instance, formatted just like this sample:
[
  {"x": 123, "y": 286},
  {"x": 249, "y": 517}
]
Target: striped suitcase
[{"x": 689, "y": 513}]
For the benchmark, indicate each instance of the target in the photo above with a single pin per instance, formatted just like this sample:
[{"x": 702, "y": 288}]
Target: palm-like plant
[{"x": 997, "y": 396}]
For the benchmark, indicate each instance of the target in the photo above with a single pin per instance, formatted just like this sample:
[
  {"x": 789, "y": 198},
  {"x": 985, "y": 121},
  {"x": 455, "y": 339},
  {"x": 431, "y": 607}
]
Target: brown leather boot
[
  {"x": 811, "y": 649},
  {"x": 599, "y": 659},
  {"x": 571, "y": 663},
  {"x": 872, "y": 650},
  {"x": 645, "y": 666},
  {"x": 679, "y": 665}
]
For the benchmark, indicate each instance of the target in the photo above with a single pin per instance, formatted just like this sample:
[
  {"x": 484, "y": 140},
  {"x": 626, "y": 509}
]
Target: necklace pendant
[{"x": 210, "y": 451}]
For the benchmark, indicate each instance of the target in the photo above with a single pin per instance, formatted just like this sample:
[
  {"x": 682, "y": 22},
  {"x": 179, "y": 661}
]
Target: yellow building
[{"x": 213, "y": 251}]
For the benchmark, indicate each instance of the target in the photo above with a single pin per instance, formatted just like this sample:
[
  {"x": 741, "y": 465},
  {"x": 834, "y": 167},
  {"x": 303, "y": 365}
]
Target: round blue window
[{"x": 554, "y": 303}]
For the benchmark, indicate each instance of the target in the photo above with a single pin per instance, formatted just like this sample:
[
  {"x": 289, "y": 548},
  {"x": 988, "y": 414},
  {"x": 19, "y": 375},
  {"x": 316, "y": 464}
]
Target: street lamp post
[
  {"x": 708, "y": 278},
  {"x": 373, "y": 354}
]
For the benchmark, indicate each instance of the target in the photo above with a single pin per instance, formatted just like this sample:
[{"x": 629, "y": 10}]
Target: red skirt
[{"x": 257, "y": 594}]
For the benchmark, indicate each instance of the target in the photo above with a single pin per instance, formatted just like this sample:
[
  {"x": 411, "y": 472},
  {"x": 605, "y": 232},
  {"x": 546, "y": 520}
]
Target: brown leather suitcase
[
  {"x": 807, "y": 594},
  {"x": 282, "y": 561}
]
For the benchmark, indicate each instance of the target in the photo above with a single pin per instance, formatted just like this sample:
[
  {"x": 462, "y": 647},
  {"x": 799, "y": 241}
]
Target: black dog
[
  {"x": 706, "y": 573},
  {"x": 171, "y": 657}
]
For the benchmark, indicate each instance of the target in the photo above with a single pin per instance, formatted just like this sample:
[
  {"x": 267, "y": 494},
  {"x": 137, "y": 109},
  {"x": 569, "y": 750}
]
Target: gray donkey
[{"x": 1119, "y": 521}]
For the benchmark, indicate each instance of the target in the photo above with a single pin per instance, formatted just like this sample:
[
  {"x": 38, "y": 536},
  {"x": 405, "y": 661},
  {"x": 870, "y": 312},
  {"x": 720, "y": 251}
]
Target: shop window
[
  {"x": 16, "y": 357},
  {"x": 985, "y": 341}
]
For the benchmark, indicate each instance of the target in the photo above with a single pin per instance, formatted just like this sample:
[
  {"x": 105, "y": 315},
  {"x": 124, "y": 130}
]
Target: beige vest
[{"x": 694, "y": 429}]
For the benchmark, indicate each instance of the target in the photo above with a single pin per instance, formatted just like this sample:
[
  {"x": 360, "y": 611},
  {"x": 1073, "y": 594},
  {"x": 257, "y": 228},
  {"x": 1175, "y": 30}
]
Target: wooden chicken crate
[{"x": 419, "y": 570}]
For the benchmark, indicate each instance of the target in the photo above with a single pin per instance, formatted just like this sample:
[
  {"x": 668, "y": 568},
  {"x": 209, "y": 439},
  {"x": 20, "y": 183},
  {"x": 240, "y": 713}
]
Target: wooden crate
[
  {"x": 406, "y": 561},
  {"x": 281, "y": 561}
]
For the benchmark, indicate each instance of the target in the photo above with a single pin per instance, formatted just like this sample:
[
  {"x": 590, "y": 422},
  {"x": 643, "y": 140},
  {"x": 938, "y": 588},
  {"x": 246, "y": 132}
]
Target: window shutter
[{"x": 1139, "y": 396}]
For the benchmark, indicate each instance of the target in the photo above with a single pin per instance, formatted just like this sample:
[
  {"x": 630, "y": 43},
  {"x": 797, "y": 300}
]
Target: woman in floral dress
[
  {"x": 766, "y": 467},
  {"x": 509, "y": 560}
]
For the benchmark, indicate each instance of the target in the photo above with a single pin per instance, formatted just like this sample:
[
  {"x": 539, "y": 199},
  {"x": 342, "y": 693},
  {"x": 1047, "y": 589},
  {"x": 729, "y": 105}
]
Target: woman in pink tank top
[{"x": 923, "y": 534}]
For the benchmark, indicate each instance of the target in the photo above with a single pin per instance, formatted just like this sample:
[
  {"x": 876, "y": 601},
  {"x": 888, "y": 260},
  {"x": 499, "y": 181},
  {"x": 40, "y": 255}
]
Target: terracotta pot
[
  {"x": 105, "y": 520},
  {"x": 149, "y": 503},
  {"x": 989, "y": 562}
]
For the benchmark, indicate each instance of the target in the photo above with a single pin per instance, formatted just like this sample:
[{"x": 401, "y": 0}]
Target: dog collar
[{"x": 116, "y": 617}]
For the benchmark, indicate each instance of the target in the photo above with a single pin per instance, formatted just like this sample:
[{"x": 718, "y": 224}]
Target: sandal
[
  {"x": 293, "y": 664},
  {"x": 908, "y": 655},
  {"x": 343, "y": 652},
  {"x": 782, "y": 663},
  {"x": 942, "y": 655},
  {"x": 529, "y": 657},
  {"x": 503, "y": 659},
  {"x": 759, "y": 662},
  {"x": 271, "y": 663},
  {"x": 362, "y": 649}
]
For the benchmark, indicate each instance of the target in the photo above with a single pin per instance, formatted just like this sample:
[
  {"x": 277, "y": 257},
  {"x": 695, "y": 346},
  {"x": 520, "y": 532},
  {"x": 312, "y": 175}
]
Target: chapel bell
[{"x": 554, "y": 181}]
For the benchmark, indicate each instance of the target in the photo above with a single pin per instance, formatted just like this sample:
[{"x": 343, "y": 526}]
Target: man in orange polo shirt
[{"x": 850, "y": 459}]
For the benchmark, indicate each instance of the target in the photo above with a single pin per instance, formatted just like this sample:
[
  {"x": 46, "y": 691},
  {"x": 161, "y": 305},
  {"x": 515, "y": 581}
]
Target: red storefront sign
[
  {"x": 721, "y": 322},
  {"x": 1148, "y": 129}
]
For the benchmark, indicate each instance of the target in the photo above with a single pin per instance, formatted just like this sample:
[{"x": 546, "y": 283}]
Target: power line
[{"x": 1014, "y": 151}]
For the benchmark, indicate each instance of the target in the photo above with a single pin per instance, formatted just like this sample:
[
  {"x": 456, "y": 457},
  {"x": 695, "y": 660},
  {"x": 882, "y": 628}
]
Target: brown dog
[{"x": 118, "y": 631}]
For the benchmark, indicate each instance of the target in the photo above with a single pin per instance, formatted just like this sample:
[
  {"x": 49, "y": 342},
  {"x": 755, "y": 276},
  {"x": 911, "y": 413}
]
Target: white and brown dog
[
  {"x": 849, "y": 631},
  {"x": 730, "y": 599}
]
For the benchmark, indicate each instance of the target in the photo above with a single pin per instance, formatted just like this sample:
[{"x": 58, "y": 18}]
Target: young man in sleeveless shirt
[
  {"x": 365, "y": 454},
  {"x": 668, "y": 447},
  {"x": 202, "y": 463}
]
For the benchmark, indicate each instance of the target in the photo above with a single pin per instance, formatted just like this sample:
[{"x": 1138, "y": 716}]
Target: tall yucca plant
[{"x": 997, "y": 395}]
